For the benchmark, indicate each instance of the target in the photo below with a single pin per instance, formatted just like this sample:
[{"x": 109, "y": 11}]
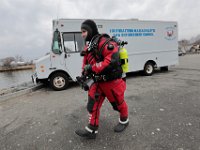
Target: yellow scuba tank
[{"x": 123, "y": 54}]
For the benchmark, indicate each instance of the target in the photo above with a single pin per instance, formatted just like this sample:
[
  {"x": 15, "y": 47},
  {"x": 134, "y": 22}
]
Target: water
[{"x": 13, "y": 78}]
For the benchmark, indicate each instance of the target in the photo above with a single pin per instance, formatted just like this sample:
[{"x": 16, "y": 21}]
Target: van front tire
[{"x": 59, "y": 81}]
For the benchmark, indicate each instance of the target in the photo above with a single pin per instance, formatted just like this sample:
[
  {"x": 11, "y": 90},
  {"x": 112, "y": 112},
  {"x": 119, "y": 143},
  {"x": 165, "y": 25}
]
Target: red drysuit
[{"x": 110, "y": 84}]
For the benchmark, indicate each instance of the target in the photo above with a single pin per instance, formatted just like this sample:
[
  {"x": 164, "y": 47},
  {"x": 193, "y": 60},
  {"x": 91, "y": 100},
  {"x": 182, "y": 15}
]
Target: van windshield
[{"x": 73, "y": 42}]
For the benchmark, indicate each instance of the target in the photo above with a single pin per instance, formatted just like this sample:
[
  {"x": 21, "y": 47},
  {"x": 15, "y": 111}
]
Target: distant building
[
  {"x": 19, "y": 63},
  {"x": 184, "y": 48},
  {"x": 195, "y": 48}
]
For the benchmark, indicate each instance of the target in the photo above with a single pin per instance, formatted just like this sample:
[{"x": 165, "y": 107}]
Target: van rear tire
[
  {"x": 148, "y": 69},
  {"x": 59, "y": 81}
]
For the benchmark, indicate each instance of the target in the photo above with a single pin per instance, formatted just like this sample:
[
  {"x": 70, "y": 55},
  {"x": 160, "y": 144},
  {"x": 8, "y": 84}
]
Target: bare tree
[
  {"x": 7, "y": 61},
  {"x": 19, "y": 58},
  {"x": 184, "y": 44}
]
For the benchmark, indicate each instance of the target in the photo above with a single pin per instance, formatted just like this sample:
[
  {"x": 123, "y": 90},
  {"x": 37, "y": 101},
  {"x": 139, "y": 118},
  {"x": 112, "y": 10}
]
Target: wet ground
[
  {"x": 164, "y": 115},
  {"x": 16, "y": 88}
]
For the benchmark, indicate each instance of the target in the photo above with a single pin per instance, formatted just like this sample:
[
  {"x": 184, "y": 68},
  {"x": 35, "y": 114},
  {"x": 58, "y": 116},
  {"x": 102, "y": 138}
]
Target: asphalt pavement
[{"x": 164, "y": 114}]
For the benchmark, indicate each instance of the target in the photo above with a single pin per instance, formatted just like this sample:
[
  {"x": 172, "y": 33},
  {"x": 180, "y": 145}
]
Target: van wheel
[
  {"x": 59, "y": 81},
  {"x": 165, "y": 68},
  {"x": 148, "y": 69}
]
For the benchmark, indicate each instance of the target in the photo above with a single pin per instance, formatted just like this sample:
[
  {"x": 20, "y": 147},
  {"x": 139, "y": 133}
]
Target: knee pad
[{"x": 90, "y": 104}]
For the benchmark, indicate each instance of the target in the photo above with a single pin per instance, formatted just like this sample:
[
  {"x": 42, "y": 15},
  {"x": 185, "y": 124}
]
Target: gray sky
[{"x": 26, "y": 25}]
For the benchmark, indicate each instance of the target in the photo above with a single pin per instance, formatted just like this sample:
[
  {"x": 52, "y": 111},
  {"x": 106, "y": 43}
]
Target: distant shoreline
[{"x": 16, "y": 68}]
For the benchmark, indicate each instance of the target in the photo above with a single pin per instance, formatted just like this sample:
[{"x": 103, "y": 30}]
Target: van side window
[
  {"x": 73, "y": 42},
  {"x": 56, "y": 44}
]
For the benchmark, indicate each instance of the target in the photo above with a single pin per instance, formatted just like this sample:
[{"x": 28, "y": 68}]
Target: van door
[
  {"x": 56, "y": 54},
  {"x": 73, "y": 45}
]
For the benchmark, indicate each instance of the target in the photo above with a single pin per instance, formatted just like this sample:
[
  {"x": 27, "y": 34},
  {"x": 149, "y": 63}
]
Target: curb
[{"x": 20, "y": 93}]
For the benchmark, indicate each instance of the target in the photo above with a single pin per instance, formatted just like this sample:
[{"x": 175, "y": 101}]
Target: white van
[{"x": 151, "y": 44}]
